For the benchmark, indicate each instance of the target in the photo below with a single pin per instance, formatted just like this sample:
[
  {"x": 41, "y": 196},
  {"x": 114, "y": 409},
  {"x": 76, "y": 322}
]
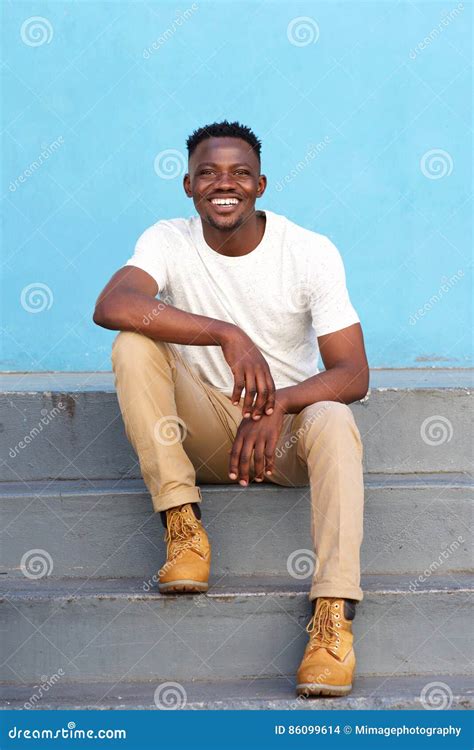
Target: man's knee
[
  {"x": 132, "y": 348},
  {"x": 330, "y": 418}
]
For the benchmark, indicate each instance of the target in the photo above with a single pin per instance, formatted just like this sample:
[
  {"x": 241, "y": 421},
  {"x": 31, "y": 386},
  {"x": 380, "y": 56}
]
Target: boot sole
[
  {"x": 309, "y": 689},
  {"x": 183, "y": 587}
]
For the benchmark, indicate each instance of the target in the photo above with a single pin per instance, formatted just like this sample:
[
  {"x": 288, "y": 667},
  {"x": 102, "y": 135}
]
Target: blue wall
[{"x": 364, "y": 109}]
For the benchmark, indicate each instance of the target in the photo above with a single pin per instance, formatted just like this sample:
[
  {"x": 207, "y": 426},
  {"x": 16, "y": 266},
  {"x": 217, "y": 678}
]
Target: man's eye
[
  {"x": 242, "y": 171},
  {"x": 206, "y": 171}
]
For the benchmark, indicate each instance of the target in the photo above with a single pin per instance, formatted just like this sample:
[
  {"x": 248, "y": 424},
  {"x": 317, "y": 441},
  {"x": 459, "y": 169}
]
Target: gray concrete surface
[
  {"x": 84, "y": 438},
  {"x": 243, "y": 628},
  {"x": 72, "y": 488},
  {"x": 107, "y": 528},
  {"x": 268, "y": 694}
]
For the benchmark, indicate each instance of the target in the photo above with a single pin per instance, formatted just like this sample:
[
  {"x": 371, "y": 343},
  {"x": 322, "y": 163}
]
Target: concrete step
[
  {"x": 264, "y": 694},
  {"x": 68, "y": 425},
  {"x": 107, "y": 529},
  {"x": 243, "y": 628}
]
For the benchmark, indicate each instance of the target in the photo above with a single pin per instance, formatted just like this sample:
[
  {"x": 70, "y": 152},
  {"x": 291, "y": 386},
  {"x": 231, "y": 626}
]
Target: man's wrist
[
  {"x": 281, "y": 400},
  {"x": 225, "y": 332}
]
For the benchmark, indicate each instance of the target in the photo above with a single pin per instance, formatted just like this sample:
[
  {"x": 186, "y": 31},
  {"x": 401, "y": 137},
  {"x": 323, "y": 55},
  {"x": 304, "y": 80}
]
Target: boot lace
[
  {"x": 181, "y": 534},
  {"x": 323, "y": 627}
]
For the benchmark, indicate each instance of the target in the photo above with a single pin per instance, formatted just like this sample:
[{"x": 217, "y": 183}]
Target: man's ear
[
  {"x": 262, "y": 184},
  {"x": 187, "y": 185}
]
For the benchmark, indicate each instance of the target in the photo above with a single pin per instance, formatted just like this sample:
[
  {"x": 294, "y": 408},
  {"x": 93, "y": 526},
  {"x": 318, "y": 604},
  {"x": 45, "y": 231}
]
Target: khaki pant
[{"x": 182, "y": 430}]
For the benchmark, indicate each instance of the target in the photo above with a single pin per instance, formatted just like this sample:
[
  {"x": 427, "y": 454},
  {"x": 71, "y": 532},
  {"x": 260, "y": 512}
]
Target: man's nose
[{"x": 225, "y": 180}]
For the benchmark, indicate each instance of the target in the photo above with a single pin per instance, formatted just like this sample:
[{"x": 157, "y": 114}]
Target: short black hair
[{"x": 224, "y": 129}]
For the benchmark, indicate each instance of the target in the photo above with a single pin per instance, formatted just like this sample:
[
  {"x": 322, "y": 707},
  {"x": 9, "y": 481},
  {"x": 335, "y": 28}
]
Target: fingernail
[
  {"x": 235, "y": 403},
  {"x": 256, "y": 417},
  {"x": 269, "y": 411},
  {"x": 258, "y": 479},
  {"x": 243, "y": 482},
  {"x": 233, "y": 476},
  {"x": 247, "y": 414},
  {"x": 268, "y": 472}
]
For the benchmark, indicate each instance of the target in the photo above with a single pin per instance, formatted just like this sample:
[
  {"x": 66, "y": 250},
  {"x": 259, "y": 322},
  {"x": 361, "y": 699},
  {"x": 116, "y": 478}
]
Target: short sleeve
[
  {"x": 150, "y": 253},
  {"x": 331, "y": 308}
]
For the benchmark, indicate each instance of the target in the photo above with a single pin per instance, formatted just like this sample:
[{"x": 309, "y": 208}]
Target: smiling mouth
[{"x": 224, "y": 205}]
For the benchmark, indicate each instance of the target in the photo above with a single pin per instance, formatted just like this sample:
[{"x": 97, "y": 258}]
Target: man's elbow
[
  {"x": 361, "y": 383},
  {"x": 104, "y": 317}
]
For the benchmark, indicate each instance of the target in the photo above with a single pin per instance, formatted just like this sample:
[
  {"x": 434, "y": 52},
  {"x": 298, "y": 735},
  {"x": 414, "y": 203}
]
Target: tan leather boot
[
  {"x": 329, "y": 660},
  {"x": 188, "y": 557}
]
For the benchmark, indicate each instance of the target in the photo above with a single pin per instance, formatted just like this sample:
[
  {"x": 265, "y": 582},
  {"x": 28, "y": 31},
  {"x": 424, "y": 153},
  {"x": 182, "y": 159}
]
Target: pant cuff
[
  {"x": 176, "y": 497},
  {"x": 336, "y": 590}
]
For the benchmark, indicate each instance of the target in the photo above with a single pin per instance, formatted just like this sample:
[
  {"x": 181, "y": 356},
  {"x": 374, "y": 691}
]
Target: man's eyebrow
[{"x": 214, "y": 164}]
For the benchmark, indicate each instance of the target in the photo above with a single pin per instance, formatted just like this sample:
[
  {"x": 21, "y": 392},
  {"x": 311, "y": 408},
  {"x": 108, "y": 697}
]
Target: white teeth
[{"x": 224, "y": 201}]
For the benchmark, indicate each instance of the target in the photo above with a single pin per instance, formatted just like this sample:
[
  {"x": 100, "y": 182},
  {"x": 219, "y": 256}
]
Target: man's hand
[
  {"x": 251, "y": 371},
  {"x": 257, "y": 438}
]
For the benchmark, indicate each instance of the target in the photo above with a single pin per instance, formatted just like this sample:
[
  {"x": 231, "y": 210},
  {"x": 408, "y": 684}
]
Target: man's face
[{"x": 223, "y": 168}]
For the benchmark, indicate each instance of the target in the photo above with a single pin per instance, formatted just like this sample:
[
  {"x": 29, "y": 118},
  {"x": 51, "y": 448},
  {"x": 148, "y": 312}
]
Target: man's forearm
[
  {"x": 340, "y": 383},
  {"x": 162, "y": 322}
]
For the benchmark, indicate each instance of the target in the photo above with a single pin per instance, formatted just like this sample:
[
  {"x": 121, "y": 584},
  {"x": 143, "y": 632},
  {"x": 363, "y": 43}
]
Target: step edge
[
  {"x": 60, "y": 488},
  {"x": 373, "y": 585}
]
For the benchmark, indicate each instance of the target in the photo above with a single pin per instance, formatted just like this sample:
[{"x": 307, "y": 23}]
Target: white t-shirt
[{"x": 290, "y": 289}]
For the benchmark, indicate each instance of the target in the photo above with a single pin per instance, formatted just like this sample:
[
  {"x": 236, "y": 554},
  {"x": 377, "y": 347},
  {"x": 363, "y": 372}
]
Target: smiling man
[{"x": 218, "y": 382}]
